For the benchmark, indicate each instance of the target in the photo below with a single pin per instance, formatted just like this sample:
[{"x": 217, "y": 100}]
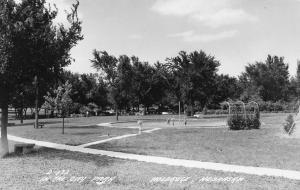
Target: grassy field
[
  {"x": 265, "y": 147},
  {"x": 84, "y": 130},
  {"x": 29, "y": 171},
  {"x": 74, "y": 135},
  {"x": 77, "y": 130}
]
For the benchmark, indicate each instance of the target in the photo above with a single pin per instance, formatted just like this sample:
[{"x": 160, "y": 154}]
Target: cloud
[
  {"x": 224, "y": 17},
  {"x": 213, "y": 13},
  {"x": 135, "y": 36},
  {"x": 191, "y": 36}
]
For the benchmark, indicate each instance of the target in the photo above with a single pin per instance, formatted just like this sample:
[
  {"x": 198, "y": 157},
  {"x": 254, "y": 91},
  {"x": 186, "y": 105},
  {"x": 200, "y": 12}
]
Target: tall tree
[
  {"x": 142, "y": 82},
  {"x": 125, "y": 74},
  {"x": 298, "y": 79},
  {"x": 7, "y": 66},
  {"x": 269, "y": 80},
  {"x": 226, "y": 88},
  {"x": 32, "y": 45},
  {"x": 106, "y": 63},
  {"x": 195, "y": 75},
  {"x": 47, "y": 45},
  {"x": 100, "y": 94}
]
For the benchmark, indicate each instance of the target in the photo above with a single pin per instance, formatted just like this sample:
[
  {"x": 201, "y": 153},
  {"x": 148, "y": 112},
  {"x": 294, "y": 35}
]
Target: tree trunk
[
  {"x": 4, "y": 120},
  {"x": 117, "y": 114},
  {"x": 145, "y": 109},
  {"x": 16, "y": 113},
  {"x": 21, "y": 116},
  {"x": 22, "y": 109},
  {"x": 63, "y": 127},
  {"x": 36, "y": 123},
  {"x": 25, "y": 112}
]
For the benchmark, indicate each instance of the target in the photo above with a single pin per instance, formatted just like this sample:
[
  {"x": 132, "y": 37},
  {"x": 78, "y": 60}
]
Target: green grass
[
  {"x": 77, "y": 130},
  {"x": 263, "y": 148},
  {"x": 192, "y": 122},
  {"x": 84, "y": 130},
  {"x": 94, "y": 120},
  {"x": 74, "y": 135},
  {"x": 25, "y": 172}
]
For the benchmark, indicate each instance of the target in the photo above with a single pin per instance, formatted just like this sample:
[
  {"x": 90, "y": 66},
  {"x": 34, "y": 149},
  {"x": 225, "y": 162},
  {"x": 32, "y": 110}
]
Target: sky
[{"x": 235, "y": 32}]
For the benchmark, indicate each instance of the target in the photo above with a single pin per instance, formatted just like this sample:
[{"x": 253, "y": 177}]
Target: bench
[
  {"x": 23, "y": 148},
  {"x": 40, "y": 125}
]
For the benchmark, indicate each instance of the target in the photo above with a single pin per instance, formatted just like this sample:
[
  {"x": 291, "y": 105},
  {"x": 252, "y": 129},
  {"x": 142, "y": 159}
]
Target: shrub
[
  {"x": 240, "y": 122},
  {"x": 275, "y": 107},
  {"x": 236, "y": 122},
  {"x": 289, "y": 124},
  {"x": 252, "y": 122}
]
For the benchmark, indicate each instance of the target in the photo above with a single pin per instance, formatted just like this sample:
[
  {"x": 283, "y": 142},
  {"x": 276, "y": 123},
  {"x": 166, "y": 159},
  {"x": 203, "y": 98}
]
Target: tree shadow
[
  {"x": 83, "y": 133},
  {"x": 78, "y": 127},
  {"x": 53, "y": 154},
  {"x": 32, "y": 123},
  {"x": 130, "y": 149}
]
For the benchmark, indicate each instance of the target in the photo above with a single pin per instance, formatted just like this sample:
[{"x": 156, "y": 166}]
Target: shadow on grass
[
  {"x": 84, "y": 133},
  {"x": 125, "y": 149},
  {"x": 78, "y": 127},
  {"x": 52, "y": 154},
  {"x": 32, "y": 123}
]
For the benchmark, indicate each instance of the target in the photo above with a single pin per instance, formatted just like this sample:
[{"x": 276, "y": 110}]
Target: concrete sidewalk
[
  {"x": 289, "y": 174},
  {"x": 117, "y": 138}
]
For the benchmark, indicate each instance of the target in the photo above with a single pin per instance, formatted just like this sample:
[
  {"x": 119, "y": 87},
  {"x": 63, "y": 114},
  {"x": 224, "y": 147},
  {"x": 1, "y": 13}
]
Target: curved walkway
[
  {"x": 117, "y": 138},
  {"x": 289, "y": 174}
]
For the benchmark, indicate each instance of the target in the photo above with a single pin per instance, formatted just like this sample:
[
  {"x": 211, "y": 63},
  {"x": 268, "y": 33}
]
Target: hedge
[{"x": 242, "y": 122}]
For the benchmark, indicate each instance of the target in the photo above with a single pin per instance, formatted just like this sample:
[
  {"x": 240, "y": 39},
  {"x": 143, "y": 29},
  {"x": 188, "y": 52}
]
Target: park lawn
[
  {"x": 266, "y": 147},
  {"x": 84, "y": 129},
  {"x": 74, "y": 135},
  {"x": 77, "y": 130},
  {"x": 191, "y": 122},
  {"x": 27, "y": 171},
  {"x": 93, "y": 120},
  {"x": 76, "y": 121}
]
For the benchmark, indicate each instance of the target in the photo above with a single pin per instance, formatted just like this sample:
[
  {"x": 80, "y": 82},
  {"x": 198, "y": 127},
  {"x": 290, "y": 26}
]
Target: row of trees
[
  {"x": 187, "y": 78},
  {"x": 192, "y": 79},
  {"x": 125, "y": 83}
]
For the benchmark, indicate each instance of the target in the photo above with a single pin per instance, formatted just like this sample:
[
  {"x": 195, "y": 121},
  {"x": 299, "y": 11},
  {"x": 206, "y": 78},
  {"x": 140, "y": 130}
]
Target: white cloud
[
  {"x": 224, "y": 17},
  {"x": 213, "y": 13},
  {"x": 135, "y": 36},
  {"x": 191, "y": 36}
]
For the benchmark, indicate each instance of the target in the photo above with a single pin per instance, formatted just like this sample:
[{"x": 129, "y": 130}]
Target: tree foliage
[
  {"x": 194, "y": 76},
  {"x": 60, "y": 101},
  {"x": 269, "y": 80},
  {"x": 32, "y": 49}
]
